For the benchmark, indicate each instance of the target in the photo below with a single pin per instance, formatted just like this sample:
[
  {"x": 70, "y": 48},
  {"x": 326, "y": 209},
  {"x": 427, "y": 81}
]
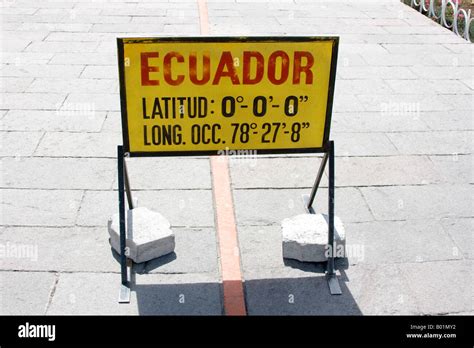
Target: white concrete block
[
  {"x": 149, "y": 234},
  {"x": 305, "y": 237}
]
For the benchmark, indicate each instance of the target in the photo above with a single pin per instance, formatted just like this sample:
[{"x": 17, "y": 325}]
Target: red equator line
[{"x": 234, "y": 301}]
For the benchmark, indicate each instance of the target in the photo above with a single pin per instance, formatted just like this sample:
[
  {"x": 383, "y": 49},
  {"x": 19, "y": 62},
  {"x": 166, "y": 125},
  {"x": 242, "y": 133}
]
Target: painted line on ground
[{"x": 231, "y": 272}]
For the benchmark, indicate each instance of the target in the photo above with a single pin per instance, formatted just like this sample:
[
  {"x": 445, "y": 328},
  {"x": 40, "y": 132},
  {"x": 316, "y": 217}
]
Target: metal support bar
[
  {"x": 127, "y": 186},
  {"x": 317, "y": 181},
  {"x": 330, "y": 269},
  {"x": 308, "y": 200},
  {"x": 333, "y": 283},
  {"x": 124, "y": 295}
]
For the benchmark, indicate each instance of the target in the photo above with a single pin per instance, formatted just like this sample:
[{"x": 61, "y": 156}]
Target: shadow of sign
[
  {"x": 179, "y": 299},
  {"x": 298, "y": 296},
  {"x": 306, "y": 295},
  {"x": 278, "y": 296}
]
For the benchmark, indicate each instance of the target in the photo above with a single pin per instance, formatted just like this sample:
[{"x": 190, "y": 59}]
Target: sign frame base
[{"x": 333, "y": 282}]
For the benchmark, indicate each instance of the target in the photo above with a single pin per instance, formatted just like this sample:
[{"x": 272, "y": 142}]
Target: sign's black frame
[
  {"x": 217, "y": 39},
  {"x": 327, "y": 148}
]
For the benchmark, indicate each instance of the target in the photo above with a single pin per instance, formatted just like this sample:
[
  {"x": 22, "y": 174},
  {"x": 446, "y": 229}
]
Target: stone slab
[
  {"x": 148, "y": 234},
  {"x": 305, "y": 237}
]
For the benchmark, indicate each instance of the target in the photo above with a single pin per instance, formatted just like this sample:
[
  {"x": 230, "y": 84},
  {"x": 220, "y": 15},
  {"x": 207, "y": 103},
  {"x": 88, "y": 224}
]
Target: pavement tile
[
  {"x": 72, "y": 85},
  {"x": 387, "y": 171},
  {"x": 272, "y": 294},
  {"x": 48, "y": 120},
  {"x": 372, "y": 122},
  {"x": 195, "y": 252},
  {"x": 391, "y": 242},
  {"x": 89, "y": 294},
  {"x": 25, "y": 293},
  {"x": 261, "y": 172},
  {"x": 99, "y": 72},
  {"x": 16, "y": 84},
  {"x": 380, "y": 290},
  {"x": 434, "y": 142},
  {"x": 191, "y": 208},
  {"x": 58, "y": 173},
  {"x": 62, "y": 47},
  {"x": 418, "y": 202},
  {"x": 98, "y": 101},
  {"x": 440, "y": 287},
  {"x": 97, "y": 293},
  {"x": 270, "y": 207},
  {"x": 62, "y": 144},
  {"x": 169, "y": 173},
  {"x": 19, "y": 143},
  {"x": 41, "y": 70},
  {"x": 39, "y": 207},
  {"x": 454, "y": 168},
  {"x": 24, "y": 59},
  {"x": 363, "y": 144},
  {"x": 32, "y": 101},
  {"x": 446, "y": 121},
  {"x": 460, "y": 230},
  {"x": 77, "y": 249},
  {"x": 260, "y": 247},
  {"x": 430, "y": 86},
  {"x": 112, "y": 123},
  {"x": 418, "y": 102}
]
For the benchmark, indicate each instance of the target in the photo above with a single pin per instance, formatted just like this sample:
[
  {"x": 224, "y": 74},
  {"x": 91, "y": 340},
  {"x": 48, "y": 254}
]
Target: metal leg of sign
[
  {"x": 333, "y": 283},
  {"x": 308, "y": 199},
  {"x": 124, "y": 294},
  {"x": 127, "y": 186}
]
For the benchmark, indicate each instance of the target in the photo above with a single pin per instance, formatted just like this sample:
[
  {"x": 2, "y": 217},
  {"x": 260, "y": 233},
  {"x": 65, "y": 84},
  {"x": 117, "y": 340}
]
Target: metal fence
[{"x": 448, "y": 13}]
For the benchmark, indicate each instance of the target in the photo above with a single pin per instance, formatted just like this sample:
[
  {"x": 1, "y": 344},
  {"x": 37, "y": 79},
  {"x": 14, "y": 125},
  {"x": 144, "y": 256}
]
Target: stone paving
[{"x": 402, "y": 126}]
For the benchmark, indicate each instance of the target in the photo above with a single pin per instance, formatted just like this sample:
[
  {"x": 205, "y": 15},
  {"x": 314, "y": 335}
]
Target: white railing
[{"x": 433, "y": 10}]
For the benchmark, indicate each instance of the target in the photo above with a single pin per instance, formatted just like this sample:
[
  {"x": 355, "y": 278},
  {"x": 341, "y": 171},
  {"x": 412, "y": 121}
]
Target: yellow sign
[{"x": 204, "y": 95}]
